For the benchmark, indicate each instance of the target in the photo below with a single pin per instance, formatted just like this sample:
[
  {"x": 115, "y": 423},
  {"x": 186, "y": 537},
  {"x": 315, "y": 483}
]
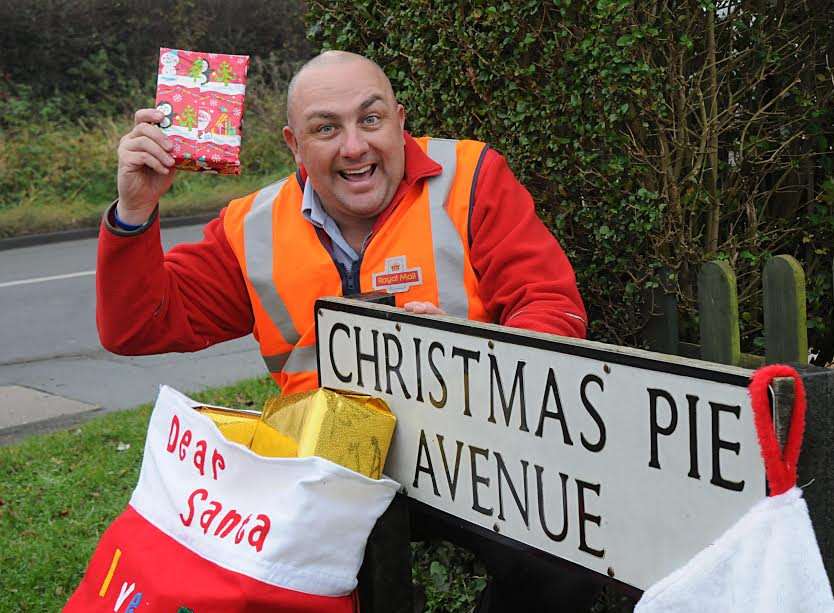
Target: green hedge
[{"x": 605, "y": 111}]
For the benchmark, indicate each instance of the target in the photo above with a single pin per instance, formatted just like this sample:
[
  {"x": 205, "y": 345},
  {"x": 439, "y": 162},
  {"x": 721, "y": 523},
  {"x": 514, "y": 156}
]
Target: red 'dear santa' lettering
[
  {"x": 258, "y": 534},
  {"x": 173, "y": 434},
  {"x": 203, "y": 494}
]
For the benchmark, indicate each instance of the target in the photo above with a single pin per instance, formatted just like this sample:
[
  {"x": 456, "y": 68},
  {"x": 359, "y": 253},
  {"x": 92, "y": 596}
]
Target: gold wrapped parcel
[{"x": 353, "y": 430}]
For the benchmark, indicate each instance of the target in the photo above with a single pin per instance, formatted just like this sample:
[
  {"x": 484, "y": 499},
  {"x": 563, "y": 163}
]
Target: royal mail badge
[{"x": 397, "y": 276}]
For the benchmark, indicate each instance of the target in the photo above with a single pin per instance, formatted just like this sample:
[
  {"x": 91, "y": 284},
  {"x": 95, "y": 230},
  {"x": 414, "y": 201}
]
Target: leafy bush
[
  {"x": 652, "y": 135},
  {"x": 451, "y": 578}
]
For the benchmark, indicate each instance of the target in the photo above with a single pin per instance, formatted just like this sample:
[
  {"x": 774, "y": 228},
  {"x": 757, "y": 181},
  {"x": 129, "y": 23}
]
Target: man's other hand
[
  {"x": 423, "y": 308},
  {"x": 145, "y": 167}
]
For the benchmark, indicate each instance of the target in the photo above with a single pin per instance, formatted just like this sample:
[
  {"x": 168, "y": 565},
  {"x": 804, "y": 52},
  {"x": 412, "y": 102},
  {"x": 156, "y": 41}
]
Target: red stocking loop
[{"x": 780, "y": 465}]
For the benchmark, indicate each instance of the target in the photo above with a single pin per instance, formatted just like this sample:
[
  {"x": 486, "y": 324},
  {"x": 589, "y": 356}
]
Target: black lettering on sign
[
  {"x": 428, "y": 468},
  {"x": 693, "y": 436},
  {"x": 553, "y": 389},
  {"x": 467, "y": 355},
  {"x": 451, "y": 481},
  {"x": 718, "y": 444},
  {"x": 419, "y": 366},
  {"x": 391, "y": 340},
  {"x": 654, "y": 427},
  {"x": 600, "y": 442},
  {"x": 373, "y": 358},
  {"x": 478, "y": 479},
  {"x": 542, "y": 505},
  {"x": 438, "y": 404},
  {"x": 518, "y": 386},
  {"x": 344, "y": 378},
  {"x": 581, "y": 486},
  {"x": 522, "y": 508}
]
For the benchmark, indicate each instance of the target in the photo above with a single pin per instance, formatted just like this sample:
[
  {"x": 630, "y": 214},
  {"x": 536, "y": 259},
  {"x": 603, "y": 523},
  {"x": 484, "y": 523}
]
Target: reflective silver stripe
[
  {"x": 274, "y": 363},
  {"x": 448, "y": 249},
  {"x": 258, "y": 246},
  {"x": 300, "y": 359}
]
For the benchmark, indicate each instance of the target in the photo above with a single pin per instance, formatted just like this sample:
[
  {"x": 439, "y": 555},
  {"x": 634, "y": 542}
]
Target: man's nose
[{"x": 354, "y": 143}]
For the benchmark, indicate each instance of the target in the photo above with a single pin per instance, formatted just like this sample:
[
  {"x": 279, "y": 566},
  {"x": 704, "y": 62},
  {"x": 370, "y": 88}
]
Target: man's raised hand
[{"x": 145, "y": 167}]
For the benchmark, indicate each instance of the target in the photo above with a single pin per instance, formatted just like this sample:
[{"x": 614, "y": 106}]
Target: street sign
[{"x": 623, "y": 461}]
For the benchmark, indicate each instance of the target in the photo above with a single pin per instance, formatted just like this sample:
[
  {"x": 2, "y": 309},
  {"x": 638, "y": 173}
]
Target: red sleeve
[
  {"x": 185, "y": 300},
  {"x": 525, "y": 279}
]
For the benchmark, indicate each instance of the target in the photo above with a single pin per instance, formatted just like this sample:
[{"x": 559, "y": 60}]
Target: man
[{"x": 367, "y": 199}]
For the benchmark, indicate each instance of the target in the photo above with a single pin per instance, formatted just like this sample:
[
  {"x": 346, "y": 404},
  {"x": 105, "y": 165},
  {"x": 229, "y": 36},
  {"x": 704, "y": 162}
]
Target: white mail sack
[
  {"x": 769, "y": 561},
  {"x": 213, "y": 527}
]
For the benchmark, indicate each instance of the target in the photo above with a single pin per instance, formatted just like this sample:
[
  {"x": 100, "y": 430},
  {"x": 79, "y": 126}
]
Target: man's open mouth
[{"x": 358, "y": 174}]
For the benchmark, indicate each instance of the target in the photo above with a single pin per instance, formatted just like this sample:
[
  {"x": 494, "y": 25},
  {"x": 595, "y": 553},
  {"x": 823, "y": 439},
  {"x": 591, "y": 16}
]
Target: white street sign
[{"x": 623, "y": 461}]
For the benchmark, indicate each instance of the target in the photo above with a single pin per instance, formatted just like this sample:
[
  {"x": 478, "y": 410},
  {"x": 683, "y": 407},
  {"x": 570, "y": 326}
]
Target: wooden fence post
[
  {"x": 785, "y": 325},
  {"x": 661, "y": 331},
  {"x": 718, "y": 310}
]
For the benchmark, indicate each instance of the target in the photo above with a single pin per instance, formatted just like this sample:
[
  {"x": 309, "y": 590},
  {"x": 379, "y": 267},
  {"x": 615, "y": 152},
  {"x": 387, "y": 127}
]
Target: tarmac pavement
[{"x": 53, "y": 371}]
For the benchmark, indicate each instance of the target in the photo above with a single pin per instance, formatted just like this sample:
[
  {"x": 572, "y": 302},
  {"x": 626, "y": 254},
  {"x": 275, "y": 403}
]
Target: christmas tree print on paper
[
  {"x": 188, "y": 117},
  {"x": 224, "y": 73},
  {"x": 199, "y": 71}
]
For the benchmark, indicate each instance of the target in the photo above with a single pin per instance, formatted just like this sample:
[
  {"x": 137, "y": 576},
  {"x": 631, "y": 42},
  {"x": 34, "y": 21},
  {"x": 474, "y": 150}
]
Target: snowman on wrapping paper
[{"x": 169, "y": 61}]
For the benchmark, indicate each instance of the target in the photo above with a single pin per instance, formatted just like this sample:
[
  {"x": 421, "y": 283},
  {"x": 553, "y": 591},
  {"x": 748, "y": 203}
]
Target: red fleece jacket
[{"x": 195, "y": 295}]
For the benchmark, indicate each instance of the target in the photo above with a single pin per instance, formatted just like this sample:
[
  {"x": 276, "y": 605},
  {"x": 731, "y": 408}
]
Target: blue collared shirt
[{"x": 313, "y": 211}]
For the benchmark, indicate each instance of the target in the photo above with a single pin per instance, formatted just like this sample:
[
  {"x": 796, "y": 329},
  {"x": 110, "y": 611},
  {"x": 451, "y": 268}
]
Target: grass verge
[{"x": 65, "y": 176}]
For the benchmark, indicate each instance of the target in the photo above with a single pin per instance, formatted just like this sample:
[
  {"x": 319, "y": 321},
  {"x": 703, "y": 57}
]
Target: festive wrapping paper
[
  {"x": 353, "y": 430},
  {"x": 214, "y": 528},
  {"x": 201, "y": 96}
]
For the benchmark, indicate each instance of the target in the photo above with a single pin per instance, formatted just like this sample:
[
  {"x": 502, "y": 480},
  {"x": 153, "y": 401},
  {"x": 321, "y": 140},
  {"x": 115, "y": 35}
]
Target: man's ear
[
  {"x": 292, "y": 143},
  {"x": 401, "y": 116}
]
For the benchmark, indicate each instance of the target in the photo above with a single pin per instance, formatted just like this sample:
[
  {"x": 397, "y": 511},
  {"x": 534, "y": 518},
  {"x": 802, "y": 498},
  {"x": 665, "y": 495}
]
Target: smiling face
[{"x": 346, "y": 128}]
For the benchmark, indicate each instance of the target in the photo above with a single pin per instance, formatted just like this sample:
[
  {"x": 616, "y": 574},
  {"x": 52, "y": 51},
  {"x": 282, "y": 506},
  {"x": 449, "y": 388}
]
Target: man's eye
[
  {"x": 371, "y": 120},
  {"x": 326, "y": 129}
]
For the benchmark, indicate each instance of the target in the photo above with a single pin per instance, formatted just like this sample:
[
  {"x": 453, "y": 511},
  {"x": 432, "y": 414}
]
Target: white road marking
[{"x": 83, "y": 273}]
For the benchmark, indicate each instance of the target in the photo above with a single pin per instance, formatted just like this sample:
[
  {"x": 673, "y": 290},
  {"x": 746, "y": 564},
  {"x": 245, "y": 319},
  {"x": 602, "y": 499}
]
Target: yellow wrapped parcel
[{"x": 353, "y": 430}]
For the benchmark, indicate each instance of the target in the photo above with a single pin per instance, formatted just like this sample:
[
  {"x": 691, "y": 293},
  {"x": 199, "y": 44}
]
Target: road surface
[{"x": 51, "y": 363}]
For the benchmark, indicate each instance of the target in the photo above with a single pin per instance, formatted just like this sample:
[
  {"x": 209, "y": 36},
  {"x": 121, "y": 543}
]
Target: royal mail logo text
[{"x": 397, "y": 277}]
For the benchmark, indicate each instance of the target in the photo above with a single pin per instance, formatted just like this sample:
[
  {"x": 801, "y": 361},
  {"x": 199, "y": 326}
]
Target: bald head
[
  {"x": 317, "y": 68},
  {"x": 346, "y": 130}
]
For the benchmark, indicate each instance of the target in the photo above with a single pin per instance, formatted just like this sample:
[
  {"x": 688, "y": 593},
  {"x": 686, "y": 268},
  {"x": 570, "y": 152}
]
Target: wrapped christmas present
[
  {"x": 201, "y": 97},
  {"x": 245, "y": 427},
  {"x": 353, "y": 430}
]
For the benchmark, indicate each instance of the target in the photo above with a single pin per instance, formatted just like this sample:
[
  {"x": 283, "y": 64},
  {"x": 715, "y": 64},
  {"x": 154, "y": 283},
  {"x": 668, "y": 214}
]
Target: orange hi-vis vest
[{"x": 421, "y": 252}]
